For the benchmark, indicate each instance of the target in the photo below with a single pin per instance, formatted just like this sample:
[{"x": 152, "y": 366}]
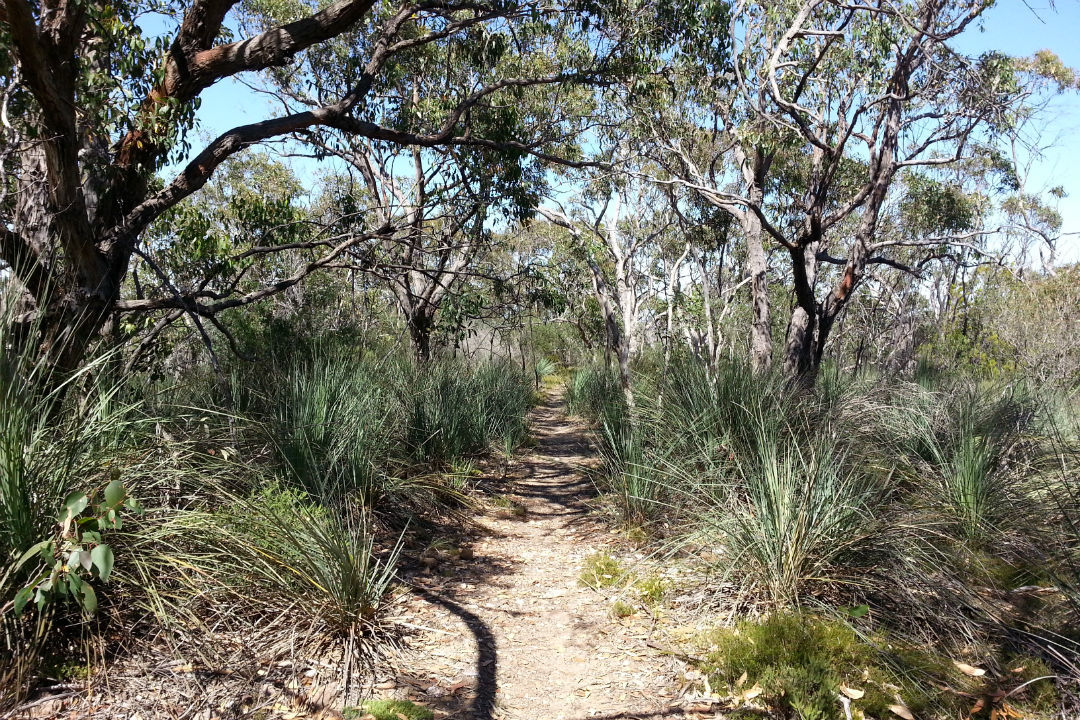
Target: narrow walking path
[{"x": 510, "y": 633}]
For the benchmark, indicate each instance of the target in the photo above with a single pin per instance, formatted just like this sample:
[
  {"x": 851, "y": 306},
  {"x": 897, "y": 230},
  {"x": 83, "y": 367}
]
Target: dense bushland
[
  {"x": 265, "y": 502},
  {"x": 814, "y": 241},
  {"x": 947, "y": 509}
]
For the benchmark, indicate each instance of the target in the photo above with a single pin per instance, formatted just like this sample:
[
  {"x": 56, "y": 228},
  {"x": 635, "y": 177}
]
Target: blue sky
[
  {"x": 1018, "y": 28},
  {"x": 1015, "y": 27}
]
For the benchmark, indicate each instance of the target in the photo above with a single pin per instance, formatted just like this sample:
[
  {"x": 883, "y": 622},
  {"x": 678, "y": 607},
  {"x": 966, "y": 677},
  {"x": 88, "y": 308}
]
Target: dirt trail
[{"x": 510, "y": 634}]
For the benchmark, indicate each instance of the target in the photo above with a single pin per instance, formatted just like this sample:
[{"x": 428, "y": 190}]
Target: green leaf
[
  {"x": 21, "y": 598},
  {"x": 85, "y": 560},
  {"x": 44, "y": 548},
  {"x": 858, "y": 611},
  {"x": 89, "y": 601},
  {"x": 74, "y": 504},
  {"x": 114, "y": 494},
  {"x": 102, "y": 557}
]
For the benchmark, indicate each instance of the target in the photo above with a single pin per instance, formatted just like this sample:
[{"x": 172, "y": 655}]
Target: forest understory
[
  {"x": 555, "y": 581},
  {"x": 513, "y": 615},
  {"x": 508, "y": 359}
]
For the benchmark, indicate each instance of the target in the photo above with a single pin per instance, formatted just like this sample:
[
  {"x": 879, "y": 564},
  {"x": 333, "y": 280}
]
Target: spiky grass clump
[
  {"x": 544, "y": 368},
  {"x": 800, "y": 505},
  {"x": 594, "y": 393},
  {"x": 63, "y": 441},
  {"x": 351, "y": 424},
  {"x": 239, "y": 533},
  {"x": 334, "y": 426},
  {"x": 279, "y": 551},
  {"x": 933, "y": 506},
  {"x": 634, "y": 483},
  {"x": 458, "y": 411},
  {"x": 971, "y": 448}
]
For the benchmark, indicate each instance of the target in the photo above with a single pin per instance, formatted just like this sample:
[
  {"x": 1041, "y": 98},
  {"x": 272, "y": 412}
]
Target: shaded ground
[{"x": 510, "y": 633}]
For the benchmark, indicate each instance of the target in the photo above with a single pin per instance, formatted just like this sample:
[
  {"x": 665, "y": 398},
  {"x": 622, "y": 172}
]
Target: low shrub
[
  {"x": 260, "y": 506},
  {"x": 935, "y": 506}
]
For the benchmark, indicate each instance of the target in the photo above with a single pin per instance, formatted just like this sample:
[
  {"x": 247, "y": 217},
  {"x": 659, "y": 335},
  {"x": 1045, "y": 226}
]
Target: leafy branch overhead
[{"x": 112, "y": 110}]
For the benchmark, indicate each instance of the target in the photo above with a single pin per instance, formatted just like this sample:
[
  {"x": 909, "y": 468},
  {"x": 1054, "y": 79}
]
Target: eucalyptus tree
[
  {"x": 706, "y": 132},
  {"x": 253, "y": 227},
  {"x": 803, "y": 136},
  {"x": 439, "y": 203},
  {"x": 563, "y": 281},
  {"x": 435, "y": 211},
  {"x": 94, "y": 111},
  {"x": 709, "y": 285},
  {"x": 616, "y": 226}
]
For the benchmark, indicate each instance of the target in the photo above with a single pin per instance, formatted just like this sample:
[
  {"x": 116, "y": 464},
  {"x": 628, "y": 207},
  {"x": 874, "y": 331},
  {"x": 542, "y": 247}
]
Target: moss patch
[
  {"x": 798, "y": 665},
  {"x": 509, "y": 506},
  {"x": 602, "y": 570},
  {"x": 388, "y": 710},
  {"x": 652, "y": 589}
]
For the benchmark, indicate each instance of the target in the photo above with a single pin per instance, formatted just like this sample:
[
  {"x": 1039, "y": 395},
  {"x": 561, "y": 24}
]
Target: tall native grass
[
  {"x": 253, "y": 493},
  {"x": 67, "y": 445},
  {"x": 458, "y": 410},
  {"x": 972, "y": 448},
  {"x": 347, "y": 422},
  {"x": 594, "y": 393},
  {"x": 934, "y": 504},
  {"x": 799, "y": 507}
]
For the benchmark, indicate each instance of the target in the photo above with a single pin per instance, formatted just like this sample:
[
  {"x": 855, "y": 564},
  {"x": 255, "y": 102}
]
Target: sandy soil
[{"x": 512, "y": 632}]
